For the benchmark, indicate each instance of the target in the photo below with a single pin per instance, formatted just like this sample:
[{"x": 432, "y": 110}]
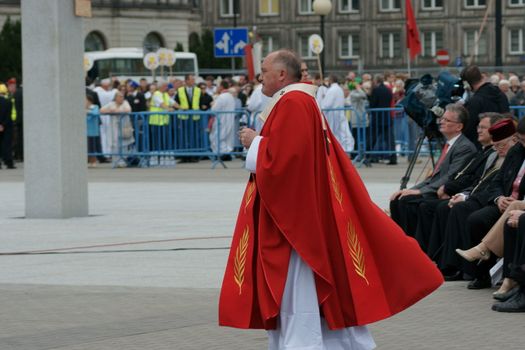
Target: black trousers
[
  {"x": 478, "y": 224},
  {"x": 454, "y": 234},
  {"x": 514, "y": 252},
  {"x": 18, "y": 141},
  {"x": 437, "y": 232},
  {"x": 6, "y": 145},
  {"x": 425, "y": 219},
  {"x": 404, "y": 212}
]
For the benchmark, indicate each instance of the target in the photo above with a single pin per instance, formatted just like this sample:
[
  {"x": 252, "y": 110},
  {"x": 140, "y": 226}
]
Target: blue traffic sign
[
  {"x": 459, "y": 61},
  {"x": 229, "y": 42}
]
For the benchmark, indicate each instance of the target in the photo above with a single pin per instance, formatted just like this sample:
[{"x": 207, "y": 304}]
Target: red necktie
[{"x": 441, "y": 159}]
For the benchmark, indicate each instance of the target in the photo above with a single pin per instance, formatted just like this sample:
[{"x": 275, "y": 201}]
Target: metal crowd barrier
[
  {"x": 147, "y": 139},
  {"x": 518, "y": 111}
]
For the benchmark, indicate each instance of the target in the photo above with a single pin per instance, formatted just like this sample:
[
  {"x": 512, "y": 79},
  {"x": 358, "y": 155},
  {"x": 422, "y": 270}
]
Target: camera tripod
[{"x": 426, "y": 133}]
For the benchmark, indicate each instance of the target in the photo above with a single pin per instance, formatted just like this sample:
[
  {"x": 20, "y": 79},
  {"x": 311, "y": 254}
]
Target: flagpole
[{"x": 408, "y": 63}]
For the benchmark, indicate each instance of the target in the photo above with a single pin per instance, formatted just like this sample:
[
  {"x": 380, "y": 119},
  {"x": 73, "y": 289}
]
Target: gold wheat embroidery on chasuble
[
  {"x": 239, "y": 262},
  {"x": 335, "y": 185},
  {"x": 249, "y": 195},
  {"x": 356, "y": 251}
]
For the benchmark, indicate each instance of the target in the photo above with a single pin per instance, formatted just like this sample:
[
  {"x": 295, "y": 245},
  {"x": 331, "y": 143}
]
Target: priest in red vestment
[{"x": 311, "y": 251}]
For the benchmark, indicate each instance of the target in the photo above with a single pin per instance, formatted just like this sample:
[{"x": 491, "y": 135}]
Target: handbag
[{"x": 127, "y": 129}]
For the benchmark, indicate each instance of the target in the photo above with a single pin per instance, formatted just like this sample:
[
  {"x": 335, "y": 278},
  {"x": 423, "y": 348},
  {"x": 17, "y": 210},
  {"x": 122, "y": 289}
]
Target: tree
[
  {"x": 11, "y": 50},
  {"x": 179, "y": 47}
]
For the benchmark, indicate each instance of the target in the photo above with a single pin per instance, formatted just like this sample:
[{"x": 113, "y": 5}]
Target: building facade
[
  {"x": 371, "y": 34},
  {"x": 132, "y": 23}
]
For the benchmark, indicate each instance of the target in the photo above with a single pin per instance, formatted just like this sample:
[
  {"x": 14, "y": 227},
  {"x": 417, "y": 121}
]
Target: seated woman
[
  {"x": 492, "y": 243},
  {"x": 514, "y": 267}
]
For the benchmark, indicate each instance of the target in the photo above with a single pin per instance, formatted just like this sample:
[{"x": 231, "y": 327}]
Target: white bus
[{"x": 125, "y": 63}]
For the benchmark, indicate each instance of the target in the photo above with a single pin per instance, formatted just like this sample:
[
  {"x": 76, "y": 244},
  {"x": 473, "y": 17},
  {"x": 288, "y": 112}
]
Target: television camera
[{"x": 424, "y": 102}]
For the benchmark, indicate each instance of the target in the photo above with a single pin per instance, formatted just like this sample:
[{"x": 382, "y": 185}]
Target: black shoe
[
  {"x": 514, "y": 304},
  {"x": 507, "y": 295},
  {"x": 480, "y": 283},
  {"x": 455, "y": 276},
  {"x": 226, "y": 158},
  {"x": 11, "y": 166},
  {"x": 183, "y": 160},
  {"x": 392, "y": 163}
]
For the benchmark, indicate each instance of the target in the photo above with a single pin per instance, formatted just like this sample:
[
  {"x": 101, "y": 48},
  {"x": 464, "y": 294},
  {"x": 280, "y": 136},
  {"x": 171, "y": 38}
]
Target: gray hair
[
  {"x": 494, "y": 117},
  {"x": 290, "y": 61},
  {"x": 460, "y": 111}
]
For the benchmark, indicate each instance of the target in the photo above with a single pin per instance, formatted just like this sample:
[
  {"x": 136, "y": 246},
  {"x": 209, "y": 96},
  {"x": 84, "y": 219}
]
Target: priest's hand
[{"x": 246, "y": 136}]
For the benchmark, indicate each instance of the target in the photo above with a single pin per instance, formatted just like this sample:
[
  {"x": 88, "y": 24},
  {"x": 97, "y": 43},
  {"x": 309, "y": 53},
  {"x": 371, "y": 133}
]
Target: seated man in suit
[
  {"x": 457, "y": 150},
  {"x": 465, "y": 179},
  {"x": 507, "y": 187},
  {"x": 456, "y": 220}
]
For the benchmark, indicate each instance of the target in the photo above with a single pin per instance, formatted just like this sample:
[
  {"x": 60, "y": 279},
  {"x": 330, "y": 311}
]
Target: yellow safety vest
[
  {"x": 13, "y": 109},
  {"x": 184, "y": 103},
  {"x": 159, "y": 119}
]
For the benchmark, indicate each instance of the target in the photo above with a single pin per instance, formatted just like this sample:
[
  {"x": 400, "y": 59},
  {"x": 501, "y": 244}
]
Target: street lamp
[{"x": 322, "y": 8}]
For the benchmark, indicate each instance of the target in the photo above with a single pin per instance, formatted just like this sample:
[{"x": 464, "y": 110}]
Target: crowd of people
[
  {"x": 467, "y": 213},
  {"x": 110, "y": 103},
  {"x": 112, "y": 133}
]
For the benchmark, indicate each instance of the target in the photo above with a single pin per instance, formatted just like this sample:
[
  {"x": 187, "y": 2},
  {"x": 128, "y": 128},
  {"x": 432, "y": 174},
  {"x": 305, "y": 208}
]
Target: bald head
[
  {"x": 279, "y": 69},
  {"x": 289, "y": 61}
]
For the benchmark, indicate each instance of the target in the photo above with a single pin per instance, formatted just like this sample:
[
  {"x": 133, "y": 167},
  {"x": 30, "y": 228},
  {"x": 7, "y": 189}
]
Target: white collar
[{"x": 306, "y": 88}]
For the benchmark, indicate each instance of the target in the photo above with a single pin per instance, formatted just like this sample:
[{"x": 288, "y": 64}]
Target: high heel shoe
[
  {"x": 474, "y": 253},
  {"x": 504, "y": 296}
]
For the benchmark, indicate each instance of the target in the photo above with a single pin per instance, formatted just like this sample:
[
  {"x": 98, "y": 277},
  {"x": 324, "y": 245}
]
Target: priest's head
[{"x": 279, "y": 69}]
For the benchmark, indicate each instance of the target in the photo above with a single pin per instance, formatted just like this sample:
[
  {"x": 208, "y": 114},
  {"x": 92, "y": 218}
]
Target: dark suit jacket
[
  {"x": 5, "y": 112},
  {"x": 470, "y": 173},
  {"x": 461, "y": 152},
  {"x": 488, "y": 98},
  {"x": 501, "y": 185},
  {"x": 137, "y": 102},
  {"x": 480, "y": 192}
]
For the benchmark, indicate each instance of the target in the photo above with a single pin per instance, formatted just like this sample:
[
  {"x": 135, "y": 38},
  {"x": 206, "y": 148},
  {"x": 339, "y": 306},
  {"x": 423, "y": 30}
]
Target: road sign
[
  {"x": 442, "y": 57},
  {"x": 229, "y": 42}
]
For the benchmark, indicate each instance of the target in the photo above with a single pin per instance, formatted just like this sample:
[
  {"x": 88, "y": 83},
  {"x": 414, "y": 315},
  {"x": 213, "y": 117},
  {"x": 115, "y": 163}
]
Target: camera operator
[{"x": 486, "y": 98}]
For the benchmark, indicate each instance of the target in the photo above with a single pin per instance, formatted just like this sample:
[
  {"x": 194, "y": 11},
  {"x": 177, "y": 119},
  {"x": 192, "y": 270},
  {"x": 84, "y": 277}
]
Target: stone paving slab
[
  {"x": 143, "y": 271},
  {"x": 37, "y": 317}
]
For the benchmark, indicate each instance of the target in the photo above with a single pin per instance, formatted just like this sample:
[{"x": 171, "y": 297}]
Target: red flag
[
  {"x": 413, "y": 43},
  {"x": 249, "y": 61}
]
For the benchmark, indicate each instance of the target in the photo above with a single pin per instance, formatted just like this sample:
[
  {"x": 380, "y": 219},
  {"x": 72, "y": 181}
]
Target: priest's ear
[{"x": 283, "y": 75}]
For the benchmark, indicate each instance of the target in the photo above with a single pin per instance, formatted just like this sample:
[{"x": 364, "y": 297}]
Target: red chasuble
[{"x": 306, "y": 195}]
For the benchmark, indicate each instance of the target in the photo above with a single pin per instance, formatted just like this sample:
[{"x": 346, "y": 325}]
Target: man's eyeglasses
[
  {"x": 502, "y": 143},
  {"x": 443, "y": 119}
]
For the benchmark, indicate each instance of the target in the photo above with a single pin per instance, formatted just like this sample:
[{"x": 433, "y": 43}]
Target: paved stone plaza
[{"x": 144, "y": 270}]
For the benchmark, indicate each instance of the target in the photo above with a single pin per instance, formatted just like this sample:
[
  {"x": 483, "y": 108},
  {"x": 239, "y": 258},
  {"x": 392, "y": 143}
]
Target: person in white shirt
[
  {"x": 106, "y": 95},
  {"x": 334, "y": 98},
  {"x": 256, "y": 104},
  {"x": 321, "y": 91},
  {"x": 222, "y": 132}
]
